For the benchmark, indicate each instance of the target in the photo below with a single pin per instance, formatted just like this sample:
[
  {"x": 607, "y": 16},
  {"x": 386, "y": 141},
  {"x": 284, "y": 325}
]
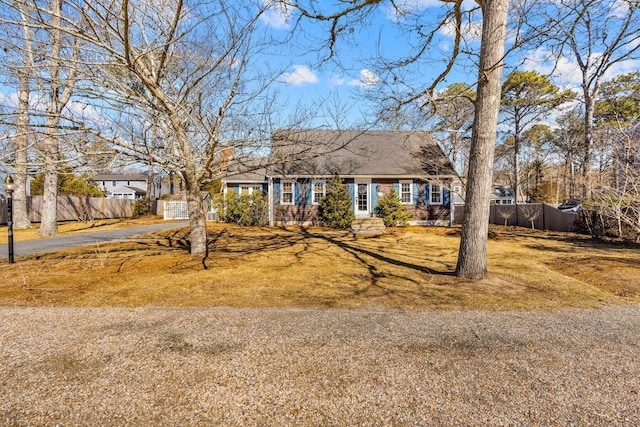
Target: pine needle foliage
[
  {"x": 336, "y": 207},
  {"x": 392, "y": 211}
]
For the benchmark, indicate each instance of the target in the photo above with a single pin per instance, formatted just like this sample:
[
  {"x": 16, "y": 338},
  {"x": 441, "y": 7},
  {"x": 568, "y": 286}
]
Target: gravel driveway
[{"x": 279, "y": 367}]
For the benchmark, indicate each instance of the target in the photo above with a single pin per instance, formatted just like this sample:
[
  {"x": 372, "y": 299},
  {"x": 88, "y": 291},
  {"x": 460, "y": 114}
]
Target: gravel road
[{"x": 281, "y": 367}]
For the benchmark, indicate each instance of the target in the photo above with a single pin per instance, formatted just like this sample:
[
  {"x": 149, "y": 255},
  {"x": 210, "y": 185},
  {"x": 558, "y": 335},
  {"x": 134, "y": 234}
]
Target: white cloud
[
  {"x": 566, "y": 69},
  {"x": 619, "y": 8},
  {"x": 563, "y": 69},
  {"x": 300, "y": 75},
  {"x": 404, "y": 7},
  {"x": 276, "y": 14},
  {"x": 471, "y": 31},
  {"x": 336, "y": 80},
  {"x": 367, "y": 79},
  {"x": 622, "y": 67},
  {"x": 9, "y": 100}
]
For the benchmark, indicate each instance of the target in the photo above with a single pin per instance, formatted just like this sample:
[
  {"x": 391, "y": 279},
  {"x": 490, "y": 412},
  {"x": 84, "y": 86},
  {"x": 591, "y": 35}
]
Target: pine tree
[
  {"x": 392, "y": 211},
  {"x": 336, "y": 207}
]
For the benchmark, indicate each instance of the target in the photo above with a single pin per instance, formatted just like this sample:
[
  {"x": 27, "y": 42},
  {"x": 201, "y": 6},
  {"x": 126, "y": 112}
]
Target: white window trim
[
  {"x": 431, "y": 192},
  {"x": 313, "y": 190},
  {"x": 251, "y": 188},
  {"x": 410, "y": 182},
  {"x": 293, "y": 193}
]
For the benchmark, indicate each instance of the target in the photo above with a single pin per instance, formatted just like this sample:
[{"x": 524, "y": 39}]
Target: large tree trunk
[
  {"x": 197, "y": 222},
  {"x": 20, "y": 212},
  {"x": 472, "y": 256},
  {"x": 59, "y": 95},
  {"x": 49, "y": 220}
]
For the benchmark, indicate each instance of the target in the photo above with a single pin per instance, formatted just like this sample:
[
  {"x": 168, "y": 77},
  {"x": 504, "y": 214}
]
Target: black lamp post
[{"x": 9, "y": 186}]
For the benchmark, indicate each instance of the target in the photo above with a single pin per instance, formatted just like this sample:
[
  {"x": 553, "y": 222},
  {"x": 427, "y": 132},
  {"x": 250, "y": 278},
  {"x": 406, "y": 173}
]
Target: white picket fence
[
  {"x": 179, "y": 210},
  {"x": 176, "y": 210}
]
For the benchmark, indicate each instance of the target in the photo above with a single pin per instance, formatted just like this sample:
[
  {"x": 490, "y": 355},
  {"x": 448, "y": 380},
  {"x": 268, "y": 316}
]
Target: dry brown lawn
[{"x": 270, "y": 267}]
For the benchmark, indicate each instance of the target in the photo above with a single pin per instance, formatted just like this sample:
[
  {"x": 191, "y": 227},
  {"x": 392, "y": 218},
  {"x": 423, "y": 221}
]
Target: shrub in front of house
[
  {"x": 245, "y": 210},
  {"x": 336, "y": 206},
  {"x": 254, "y": 210},
  {"x": 392, "y": 211}
]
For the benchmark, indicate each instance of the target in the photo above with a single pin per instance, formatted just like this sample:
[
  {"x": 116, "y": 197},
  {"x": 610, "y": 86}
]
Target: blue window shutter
[
  {"x": 297, "y": 192},
  {"x": 415, "y": 189},
  {"x": 427, "y": 193},
  {"x": 308, "y": 192},
  {"x": 265, "y": 188},
  {"x": 396, "y": 187},
  {"x": 351, "y": 189},
  {"x": 276, "y": 191},
  {"x": 236, "y": 188},
  {"x": 374, "y": 194},
  {"x": 445, "y": 197}
]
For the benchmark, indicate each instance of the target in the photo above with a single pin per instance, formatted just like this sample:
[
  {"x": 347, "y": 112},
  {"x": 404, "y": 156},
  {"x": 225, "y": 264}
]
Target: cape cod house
[{"x": 370, "y": 163}]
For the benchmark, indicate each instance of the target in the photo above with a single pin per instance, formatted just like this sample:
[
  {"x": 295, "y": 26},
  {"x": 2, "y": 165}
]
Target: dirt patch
[{"x": 621, "y": 277}]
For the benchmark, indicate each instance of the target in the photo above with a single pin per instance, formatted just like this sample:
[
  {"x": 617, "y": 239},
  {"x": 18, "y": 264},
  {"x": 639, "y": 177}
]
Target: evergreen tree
[
  {"x": 336, "y": 208},
  {"x": 68, "y": 184},
  {"x": 392, "y": 211}
]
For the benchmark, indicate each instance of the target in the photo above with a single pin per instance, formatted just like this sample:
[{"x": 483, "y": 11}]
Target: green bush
[
  {"x": 141, "y": 207},
  {"x": 254, "y": 210},
  {"x": 246, "y": 210},
  {"x": 336, "y": 207},
  {"x": 392, "y": 211}
]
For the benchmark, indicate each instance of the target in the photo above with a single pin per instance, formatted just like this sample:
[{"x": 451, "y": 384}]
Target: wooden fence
[
  {"x": 532, "y": 215},
  {"x": 78, "y": 208}
]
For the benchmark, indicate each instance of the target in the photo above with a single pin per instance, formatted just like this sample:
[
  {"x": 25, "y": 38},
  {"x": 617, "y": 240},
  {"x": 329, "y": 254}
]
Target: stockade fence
[
  {"x": 531, "y": 215},
  {"x": 78, "y": 208}
]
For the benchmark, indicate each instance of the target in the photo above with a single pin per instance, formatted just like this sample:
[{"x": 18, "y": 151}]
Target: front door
[{"x": 362, "y": 198}]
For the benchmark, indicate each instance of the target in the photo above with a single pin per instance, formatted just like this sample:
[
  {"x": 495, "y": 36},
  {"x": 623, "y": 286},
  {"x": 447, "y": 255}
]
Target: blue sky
[
  {"x": 349, "y": 81},
  {"x": 356, "y": 74}
]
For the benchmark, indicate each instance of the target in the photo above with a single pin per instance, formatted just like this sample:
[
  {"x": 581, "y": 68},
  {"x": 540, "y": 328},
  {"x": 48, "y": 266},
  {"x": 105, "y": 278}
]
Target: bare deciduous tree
[
  {"x": 598, "y": 35},
  {"x": 18, "y": 65},
  {"x": 191, "y": 74}
]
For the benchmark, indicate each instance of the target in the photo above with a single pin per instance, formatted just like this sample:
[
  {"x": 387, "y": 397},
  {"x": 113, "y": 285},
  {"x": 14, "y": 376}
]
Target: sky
[
  {"x": 352, "y": 76},
  {"x": 357, "y": 75}
]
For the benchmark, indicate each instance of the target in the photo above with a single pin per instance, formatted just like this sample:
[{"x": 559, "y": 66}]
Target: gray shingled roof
[{"x": 358, "y": 153}]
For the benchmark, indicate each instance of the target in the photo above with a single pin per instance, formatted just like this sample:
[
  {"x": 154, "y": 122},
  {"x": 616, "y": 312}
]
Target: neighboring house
[
  {"x": 457, "y": 189},
  {"x": 370, "y": 163},
  {"x": 502, "y": 195},
  {"x": 128, "y": 186}
]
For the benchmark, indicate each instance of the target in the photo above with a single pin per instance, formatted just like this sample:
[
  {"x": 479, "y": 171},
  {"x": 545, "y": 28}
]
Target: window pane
[
  {"x": 405, "y": 192},
  {"x": 318, "y": 191},
  {"x": 363, "y": 204},
  {"x": 287, "y": 192},
  {"x": 435, "y": 194}
]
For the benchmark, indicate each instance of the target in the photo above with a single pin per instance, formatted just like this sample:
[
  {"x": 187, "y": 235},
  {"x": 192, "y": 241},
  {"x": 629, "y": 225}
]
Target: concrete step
[{"x": 368, "y": 226}]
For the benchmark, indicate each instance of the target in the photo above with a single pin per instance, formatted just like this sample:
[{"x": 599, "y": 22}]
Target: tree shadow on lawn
[
  {"x": 246, "y": 244},
  {"x": 376, "y": 274},
  {"x": 301, "y": 244}
]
